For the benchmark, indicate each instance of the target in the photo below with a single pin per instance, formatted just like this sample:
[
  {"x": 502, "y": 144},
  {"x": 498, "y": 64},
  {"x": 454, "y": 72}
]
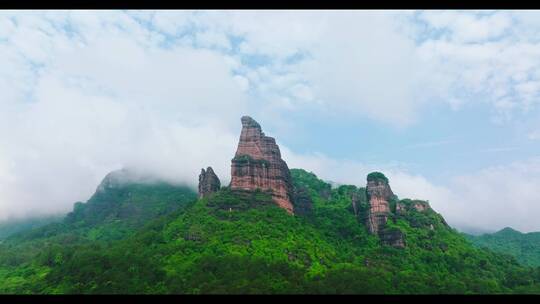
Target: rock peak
[
  {"x": 208, "y": 182},
  {"x": 257, "y": 164}
]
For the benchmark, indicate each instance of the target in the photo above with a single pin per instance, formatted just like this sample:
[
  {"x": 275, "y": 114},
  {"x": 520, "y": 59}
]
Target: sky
[{"x": 445, "y": 103}]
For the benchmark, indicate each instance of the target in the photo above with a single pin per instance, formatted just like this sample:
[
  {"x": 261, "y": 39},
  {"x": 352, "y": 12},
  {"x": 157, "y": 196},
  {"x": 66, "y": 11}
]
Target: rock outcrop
[
  {"x": 421, "y": 206},
  {"x": 257, "y": 164},
  {"x": 208, "y": 182},
  {"x": 379, "y": 195},
  {"x": 406, "y": 205}
]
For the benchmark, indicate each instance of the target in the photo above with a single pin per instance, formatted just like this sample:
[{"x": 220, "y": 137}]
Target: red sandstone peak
[
  {"x": 378, "y": 193},
  {"x": 254, "y": 143},
  {"x": 257, "y": 164}
]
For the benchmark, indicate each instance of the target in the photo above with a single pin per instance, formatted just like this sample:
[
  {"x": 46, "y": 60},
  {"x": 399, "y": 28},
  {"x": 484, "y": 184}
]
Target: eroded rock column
[{"x": 257, "y": 164}]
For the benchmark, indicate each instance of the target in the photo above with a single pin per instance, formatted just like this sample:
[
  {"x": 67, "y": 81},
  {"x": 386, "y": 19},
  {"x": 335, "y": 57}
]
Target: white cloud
[
  {"x": 467, "y": 26},
  {"x": 534, "y": 135},
  {"x": 170, "y": 22},
  {"x": 211, "y": 39},
  {"x": 101, "y": 100},
  {"x": 501, "y": 196},
  {"x": 373, "y": 64},
  {"x": 489, "y": 56},
  {"x": 86, "y": 92}
]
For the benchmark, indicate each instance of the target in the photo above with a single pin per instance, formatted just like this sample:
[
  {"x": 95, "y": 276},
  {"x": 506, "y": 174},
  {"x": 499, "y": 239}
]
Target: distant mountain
[{"x": 525, "y": 247}]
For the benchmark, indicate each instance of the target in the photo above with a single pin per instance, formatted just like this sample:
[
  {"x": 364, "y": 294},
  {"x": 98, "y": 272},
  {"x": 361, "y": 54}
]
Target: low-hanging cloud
[
  {"x": 84, "y": 93},
  {"x": 97, "y": 104}
]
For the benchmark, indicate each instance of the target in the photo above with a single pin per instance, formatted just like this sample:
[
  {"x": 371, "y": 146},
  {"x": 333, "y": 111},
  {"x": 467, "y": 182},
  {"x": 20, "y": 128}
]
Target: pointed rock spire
[{"x": 257, "y": 164}]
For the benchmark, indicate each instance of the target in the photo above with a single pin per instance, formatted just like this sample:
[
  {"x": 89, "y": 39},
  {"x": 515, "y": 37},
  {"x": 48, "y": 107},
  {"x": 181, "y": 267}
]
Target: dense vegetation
[
  {"x": 524, "y": 246},
  {"x": 376, "y": 176},
  {"x": 159, "y": 239}
]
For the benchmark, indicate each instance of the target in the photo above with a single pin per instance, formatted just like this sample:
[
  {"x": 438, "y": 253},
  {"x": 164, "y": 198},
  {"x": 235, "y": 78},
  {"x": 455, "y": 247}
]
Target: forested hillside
[{"x": 158, "y": 238}]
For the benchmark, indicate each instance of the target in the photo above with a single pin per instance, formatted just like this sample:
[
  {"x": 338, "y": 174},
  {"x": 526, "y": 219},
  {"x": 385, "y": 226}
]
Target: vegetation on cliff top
[{"x": 377, "y": 176}]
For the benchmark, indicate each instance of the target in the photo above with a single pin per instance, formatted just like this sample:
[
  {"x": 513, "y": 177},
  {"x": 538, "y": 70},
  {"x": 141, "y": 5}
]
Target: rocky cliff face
[
  {"x": 208, "y": 182},
  {"x": 257, "y": 164},
  {"x": 379, "y": 195}
]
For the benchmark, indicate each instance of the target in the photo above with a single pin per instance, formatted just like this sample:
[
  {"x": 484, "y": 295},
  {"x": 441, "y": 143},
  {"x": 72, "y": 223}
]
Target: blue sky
[
  {"x": 441, "y": 144},
  {"x": 443, "y": 102}
]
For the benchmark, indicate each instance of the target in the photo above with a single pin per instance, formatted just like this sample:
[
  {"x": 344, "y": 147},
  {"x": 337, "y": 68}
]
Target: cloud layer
[{"x": 84, "y": 93}]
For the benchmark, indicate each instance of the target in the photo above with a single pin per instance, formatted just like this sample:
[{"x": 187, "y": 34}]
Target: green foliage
[
  {"x": 317, "y": 188},
  {"x": 129, "y": 241},
  {"x": 248, "y": 159},
  {"x": 377, "y": 176},
  {"x": 105, "y": 219},
  {"x": 229, "y": 200}
]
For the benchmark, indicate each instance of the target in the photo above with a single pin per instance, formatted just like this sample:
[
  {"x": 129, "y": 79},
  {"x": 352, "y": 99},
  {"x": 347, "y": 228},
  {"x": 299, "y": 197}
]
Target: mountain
[
  {"x": 271, "y": 231},
  {"x": 525, "y": 247}
]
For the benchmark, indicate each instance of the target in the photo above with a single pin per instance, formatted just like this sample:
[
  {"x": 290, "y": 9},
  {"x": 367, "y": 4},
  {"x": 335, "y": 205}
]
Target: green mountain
[
  {"x": 525, "y": 247},
  {"x": 272, "y": 230},
  {"x": 153, "y": 237},
  {"x": 120, "y": 207}
]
